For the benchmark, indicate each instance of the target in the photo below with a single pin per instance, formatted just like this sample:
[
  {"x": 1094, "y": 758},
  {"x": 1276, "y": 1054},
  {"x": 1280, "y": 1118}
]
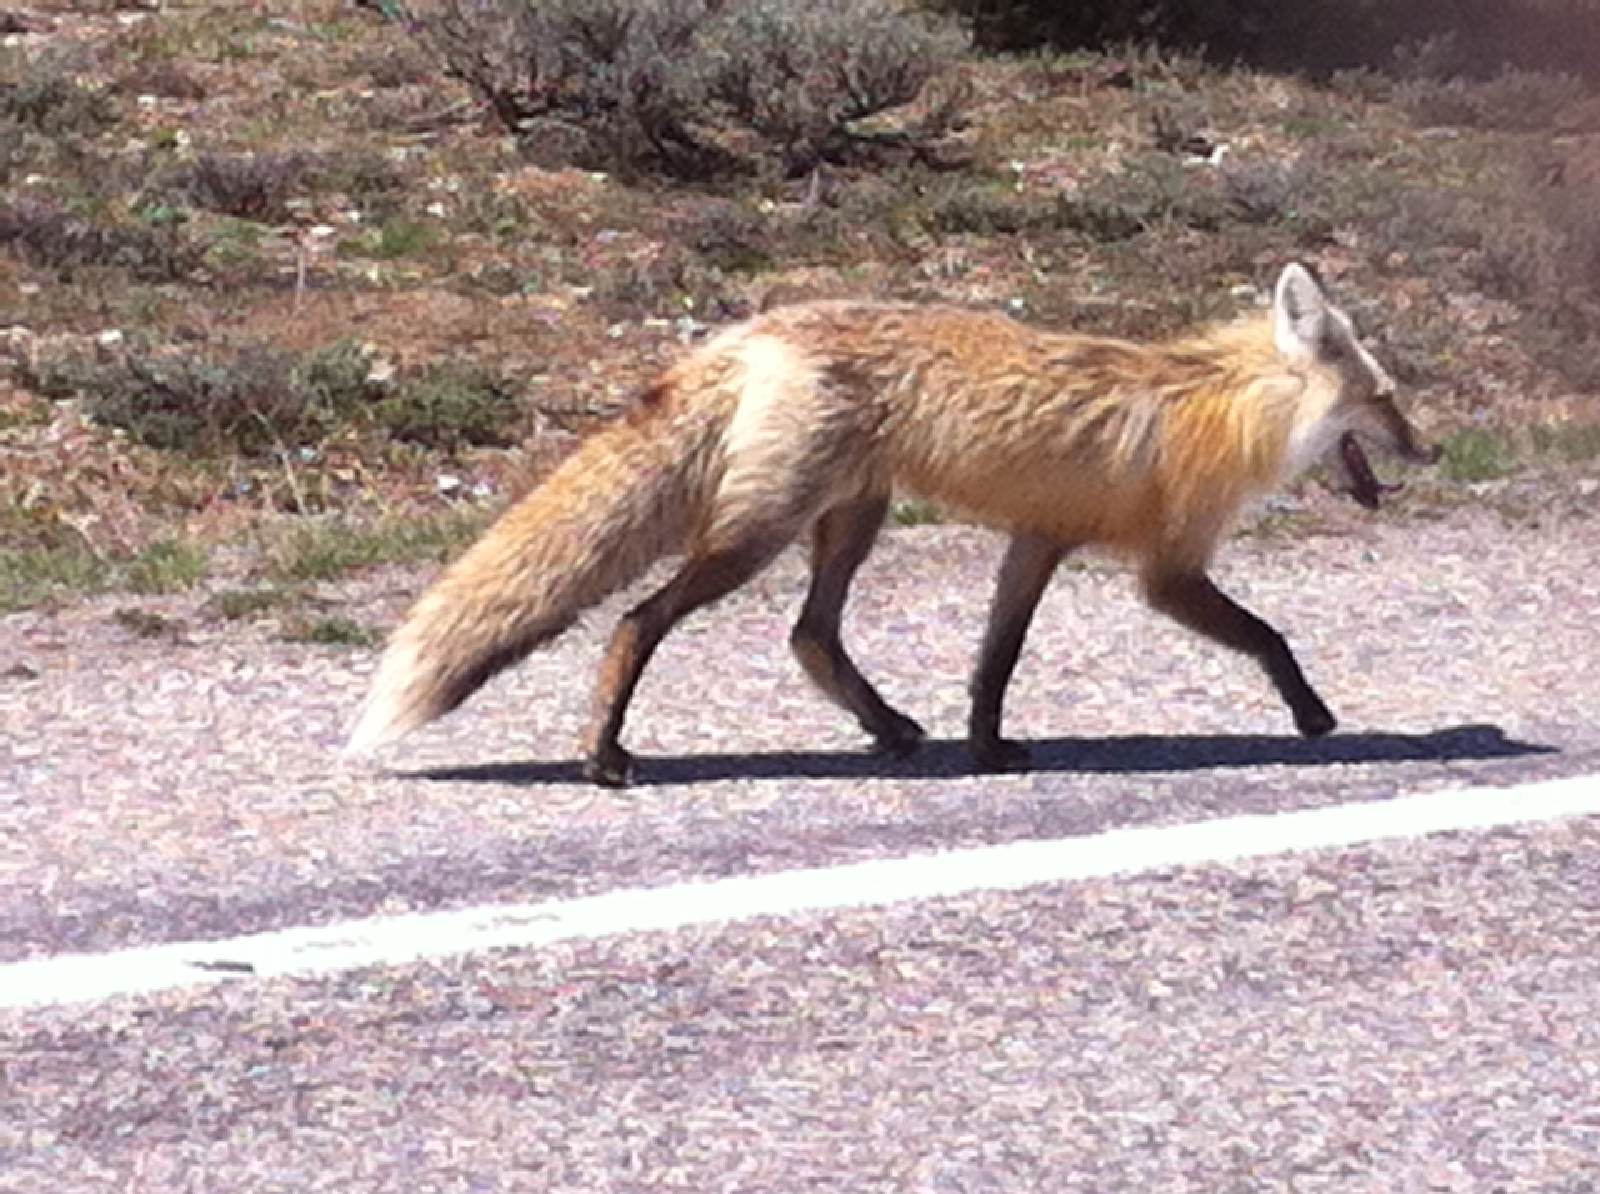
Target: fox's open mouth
[{"x": 1364, "y": 484}]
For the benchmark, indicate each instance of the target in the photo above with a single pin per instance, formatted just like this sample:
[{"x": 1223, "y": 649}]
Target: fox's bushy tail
[{"x": 627, "y": 497}]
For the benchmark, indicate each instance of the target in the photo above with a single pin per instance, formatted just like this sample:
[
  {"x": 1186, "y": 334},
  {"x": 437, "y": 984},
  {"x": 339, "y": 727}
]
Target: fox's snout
[
  {"x": 1411, "y": 448},
  {"x": 1427, "y": 453},
  {"x": 1381, "y": 420},
  {"x": 1399, "y": 433}
]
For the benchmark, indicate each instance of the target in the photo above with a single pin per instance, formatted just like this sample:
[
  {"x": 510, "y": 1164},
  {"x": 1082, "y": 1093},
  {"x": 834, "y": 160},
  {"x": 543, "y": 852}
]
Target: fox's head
[{"x": 1351, "y": 395}]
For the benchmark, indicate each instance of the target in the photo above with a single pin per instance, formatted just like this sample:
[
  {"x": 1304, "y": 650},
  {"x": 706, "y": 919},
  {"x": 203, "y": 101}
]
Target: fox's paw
[
  {"x": 1315, "y": 721},
  {"x": 898, "y": 737},
  {"x": 998, "y": 754},
  {"x": 610, "y": 768}
]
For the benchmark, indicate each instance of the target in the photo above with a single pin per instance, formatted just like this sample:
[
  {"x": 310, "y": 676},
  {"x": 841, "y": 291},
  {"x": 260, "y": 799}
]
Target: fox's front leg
[
  {"x": 1191, "y": 599},
  {"x": 1029, "y": 563}
]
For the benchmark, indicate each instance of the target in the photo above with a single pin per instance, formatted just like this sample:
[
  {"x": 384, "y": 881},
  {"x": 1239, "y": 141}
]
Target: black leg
[
  {"x": 1192, "y": 600},
  {"x": 1029, "y": 563}
]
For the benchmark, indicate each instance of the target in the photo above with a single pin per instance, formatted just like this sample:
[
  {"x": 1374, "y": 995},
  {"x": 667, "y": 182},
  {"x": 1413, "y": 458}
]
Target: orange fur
[{"x": 751, "y": 439}]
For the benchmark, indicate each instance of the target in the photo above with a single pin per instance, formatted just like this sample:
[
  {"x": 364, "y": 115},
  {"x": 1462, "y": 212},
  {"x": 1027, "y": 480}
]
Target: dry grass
[{"x": 206, "y": 205}]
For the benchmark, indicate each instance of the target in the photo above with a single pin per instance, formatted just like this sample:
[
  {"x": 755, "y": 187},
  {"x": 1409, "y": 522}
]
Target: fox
[{"x": 806, "y": 419}]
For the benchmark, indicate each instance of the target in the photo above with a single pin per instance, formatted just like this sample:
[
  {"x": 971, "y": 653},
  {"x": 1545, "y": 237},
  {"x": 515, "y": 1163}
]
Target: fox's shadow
[{"x": 947, "y": 758}]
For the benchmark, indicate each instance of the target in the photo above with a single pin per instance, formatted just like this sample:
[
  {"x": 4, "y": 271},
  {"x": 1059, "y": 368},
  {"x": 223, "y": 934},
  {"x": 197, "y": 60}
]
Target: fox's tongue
[{"x": 1364, "y": 484}]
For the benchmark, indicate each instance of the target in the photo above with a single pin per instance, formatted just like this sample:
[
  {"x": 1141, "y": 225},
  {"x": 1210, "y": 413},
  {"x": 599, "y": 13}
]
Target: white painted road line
[{"x": 396, "y": 940}]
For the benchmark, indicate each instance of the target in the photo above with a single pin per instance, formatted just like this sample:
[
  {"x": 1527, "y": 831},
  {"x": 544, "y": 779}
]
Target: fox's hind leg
[
  {"x": 841, "y": 539},
  {"x": 708, "y": 575},
  {"x": 1029, "y": 563},
  {"x": 1191, "y": 598}
]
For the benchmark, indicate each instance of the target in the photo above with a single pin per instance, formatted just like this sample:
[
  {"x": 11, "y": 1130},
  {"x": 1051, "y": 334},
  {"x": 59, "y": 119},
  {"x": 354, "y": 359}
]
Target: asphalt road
[{"x": 1417, "y": 1015}]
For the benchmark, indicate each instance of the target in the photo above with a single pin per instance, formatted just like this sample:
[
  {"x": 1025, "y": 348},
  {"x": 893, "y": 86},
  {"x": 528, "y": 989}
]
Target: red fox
[{"x": 804, "y": 418}]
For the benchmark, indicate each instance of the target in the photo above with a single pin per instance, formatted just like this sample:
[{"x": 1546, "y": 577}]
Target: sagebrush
[{"x": 693, "y": 88}]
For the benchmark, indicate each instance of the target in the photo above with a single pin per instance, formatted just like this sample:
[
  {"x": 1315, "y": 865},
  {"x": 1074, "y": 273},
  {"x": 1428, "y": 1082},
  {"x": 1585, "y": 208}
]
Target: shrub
[
  {"x": 981, "y": 206},
  {"x": 391, "y": 65},
  {"x": 1566, "y": 340},
  {"x": 453, "y": 406},
  {"x": 366, "y": 177},
  {"x": 689, "y": 87},
  {"x": 250, "y": 186},
  {"x": 259, "y": 186},
  {"x": 47, "y": 96},
  {"x": 1259, "y": 192},
  {"x": 1304, "y": 198},
  {"x": 1512, "y": 100},
  {"x": 733, "y": 237},
  {"x": 1150, "y": 190},
  {"x": 670, "y": 283},
  {"x": 45, "y": 235},
  {"x": 162, "y": 78},
  {"x": 1534, "y": 237},
  {"x": 13, "y": 150},
  {"x": 801, "y": 76},
  {"x": 258, "y": 402},
  {"x": 393, "y": 239}
]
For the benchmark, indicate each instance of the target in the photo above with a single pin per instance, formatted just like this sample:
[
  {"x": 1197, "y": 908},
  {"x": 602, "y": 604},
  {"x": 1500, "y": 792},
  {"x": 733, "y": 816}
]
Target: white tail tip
[
  {"x": 372, "y": 730},
  {"x": 390, "y": 711}
]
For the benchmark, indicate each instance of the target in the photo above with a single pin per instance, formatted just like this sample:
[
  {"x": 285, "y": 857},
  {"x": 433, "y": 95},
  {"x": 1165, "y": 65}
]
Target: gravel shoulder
[{"x": 190, "y": 786}]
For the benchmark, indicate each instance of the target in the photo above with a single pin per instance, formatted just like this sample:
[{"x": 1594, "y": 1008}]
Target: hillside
[{"x": 279, "y": 298}]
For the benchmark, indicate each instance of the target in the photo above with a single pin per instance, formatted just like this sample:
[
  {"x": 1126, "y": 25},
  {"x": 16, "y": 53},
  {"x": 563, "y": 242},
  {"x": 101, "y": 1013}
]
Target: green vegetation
[
  {"x": 246, "y": 605},
  {"x": 267, "y": 278},
  {"x": 332, "y": 631},
  {"x": 1474, "y": 454},
  {"x": 450, "y": 406},
  {"x": 396, "y": 238},
  {"x": 914, "y": 512},
  {"x": 257, "y": 400},
  {"x": 324, "y": 549},
  {"x": 167, "y": 566},
  {"x": 33, "y": 575}
]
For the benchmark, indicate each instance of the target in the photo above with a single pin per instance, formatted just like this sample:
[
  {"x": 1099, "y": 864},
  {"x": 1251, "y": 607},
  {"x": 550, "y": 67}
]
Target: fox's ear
[{"x": 1299, "y": 311}]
